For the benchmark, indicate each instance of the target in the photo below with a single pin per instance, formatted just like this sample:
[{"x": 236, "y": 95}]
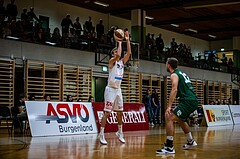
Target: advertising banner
[
  {"x": 60, "y": 118},
  {"x": 134, "y": 117},
  {"x": 235, "y": 111},
  {"x": 216, "y": 115}
]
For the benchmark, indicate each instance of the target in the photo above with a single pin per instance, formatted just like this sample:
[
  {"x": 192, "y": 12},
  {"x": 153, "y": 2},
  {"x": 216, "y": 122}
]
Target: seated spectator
[
  {"x": 56, "y": 37},
  {"x": 31, "y": 97},
  {"x": 193, "y": 119},
  {"x": 47, "y": 97},
  {"x": 20, "y": 111},
  {"x": 69, "y": 98},
  {"x": 6, "y": 30},
  {"x": 90, "y": 98},
  {"x": 217, "y": 102},
  {"x": 73, "y": 36},
  {"x": 40, "y": 36}
]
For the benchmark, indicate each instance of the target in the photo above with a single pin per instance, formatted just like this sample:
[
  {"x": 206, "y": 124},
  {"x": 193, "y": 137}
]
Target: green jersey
[{"x": 185, "y": 88}]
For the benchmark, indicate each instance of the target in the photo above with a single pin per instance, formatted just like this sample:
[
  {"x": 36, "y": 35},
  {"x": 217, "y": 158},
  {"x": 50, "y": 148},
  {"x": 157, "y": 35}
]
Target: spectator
[
  {"x": 229, "y": 99},
  {"x": 73, "y": 36},
  {"x": 31, "y": 97},
  {"x": 225, "y": 102},
  {"x": 32, "y": 16},
  {"x": 69, "y": 98},
  {"x": 6, "y": 30},
  {"x": 234, "y": 102},
  {"x": 78, "y": 27},
  {"x": 20, "y": 107},
  {"x": 211, "y": 57},
  {"x": 56, "y": 37},
  {"x": 193, "y": 119},
  {"x": 147, "y": 102},
  {"x": 148, "y": 41},
  {"x": 230, "y": 65},
  {"x": 173, "y": 45},
  {"x": 47, "y": 34},
  {"x": 159, "y": 43},
  {"x": 110, "y": 37},
  {"x": 224, "y": 59},
  {"x": 100, "y": 30},
  {"x": 91, "y": 99},
  {"x": 40, "y": 36},
  {"x": 47, "y": 97},
  {"x": 89, "y": 25},
  {"x": 217, "y": 102},
  {"x": 12, "y": 11},
  {"x": 24, "y": 16},
  {"x": 2, "y": 12},
  {"x": 153, "y": 42},
  {"x": 156, "y": 107},
  {"x": 66, "y": 22}
]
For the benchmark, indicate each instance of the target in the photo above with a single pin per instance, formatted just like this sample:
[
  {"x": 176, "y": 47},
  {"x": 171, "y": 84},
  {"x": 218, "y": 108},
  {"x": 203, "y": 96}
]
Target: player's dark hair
[{"x": 173, "y": 62}]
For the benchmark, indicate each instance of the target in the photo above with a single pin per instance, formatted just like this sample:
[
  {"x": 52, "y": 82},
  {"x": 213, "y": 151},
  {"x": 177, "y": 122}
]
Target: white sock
[
  {"x": 102, "y": 130},
  {"x": 120, "y": 128},
  {"x": 189, "y": 136},
  {"x": 170, "y": 138}
]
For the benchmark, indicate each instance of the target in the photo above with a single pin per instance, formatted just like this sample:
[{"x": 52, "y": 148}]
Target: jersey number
[{"x": 186, "y": 78}]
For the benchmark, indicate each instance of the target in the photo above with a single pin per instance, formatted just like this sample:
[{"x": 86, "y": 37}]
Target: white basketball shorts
[{"x": 113, "y": 99}]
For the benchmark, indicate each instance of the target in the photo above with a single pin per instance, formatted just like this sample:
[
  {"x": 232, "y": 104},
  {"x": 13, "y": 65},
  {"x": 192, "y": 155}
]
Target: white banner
[
  {"x": 60, "y": 118},
  {"x": 216, "y": 115},
  {"x": 235, "y": 111}
]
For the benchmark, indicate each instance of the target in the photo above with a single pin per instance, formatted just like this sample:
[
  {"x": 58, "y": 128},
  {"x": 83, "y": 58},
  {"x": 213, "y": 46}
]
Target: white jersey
[{"x": 116, "y": 75}]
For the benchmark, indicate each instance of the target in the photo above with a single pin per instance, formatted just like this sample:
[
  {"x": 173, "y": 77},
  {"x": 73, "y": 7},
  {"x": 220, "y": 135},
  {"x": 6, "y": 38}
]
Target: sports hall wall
[
  {"x": 57, "y": 11},
  {"x": 20, "y": 50}
]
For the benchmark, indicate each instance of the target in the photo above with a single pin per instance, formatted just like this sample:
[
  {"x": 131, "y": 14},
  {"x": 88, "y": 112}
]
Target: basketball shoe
[
  {"x": 102, "y": 139},
  {"x": 189, "y": 144},
  {"x": 166, "y": 150},
  {"x": 120, "y": 137}
]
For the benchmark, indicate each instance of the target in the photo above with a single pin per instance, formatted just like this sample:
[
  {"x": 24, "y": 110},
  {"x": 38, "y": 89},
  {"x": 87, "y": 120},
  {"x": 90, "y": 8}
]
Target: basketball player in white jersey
[{"x": 113, "y": 94}]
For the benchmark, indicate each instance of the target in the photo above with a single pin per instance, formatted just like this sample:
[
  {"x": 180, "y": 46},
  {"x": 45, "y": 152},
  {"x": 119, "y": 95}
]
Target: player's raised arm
[
  {"x": 126, "y": 57},
  {"x": 116, "y": 54}
]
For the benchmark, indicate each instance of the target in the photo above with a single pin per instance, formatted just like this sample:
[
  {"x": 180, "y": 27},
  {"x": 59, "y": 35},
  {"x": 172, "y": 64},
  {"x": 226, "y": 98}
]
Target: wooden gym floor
[{"x": 214, "y": 142}]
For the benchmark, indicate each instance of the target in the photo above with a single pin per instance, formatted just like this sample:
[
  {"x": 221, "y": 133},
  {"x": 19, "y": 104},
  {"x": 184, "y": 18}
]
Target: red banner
[{"x": 134, "y": 117}]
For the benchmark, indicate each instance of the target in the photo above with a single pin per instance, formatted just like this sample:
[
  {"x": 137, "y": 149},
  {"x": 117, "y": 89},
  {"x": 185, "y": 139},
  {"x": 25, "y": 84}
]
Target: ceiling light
[
  {"x": 222, "y": 49},
  {"x": 175, "y": 25},
  {"x": 192, "y": 30},
  {"x": 101, "y": 4},
  {"x": 148, "y": 17},
  {"x": 212, "y": 36}
]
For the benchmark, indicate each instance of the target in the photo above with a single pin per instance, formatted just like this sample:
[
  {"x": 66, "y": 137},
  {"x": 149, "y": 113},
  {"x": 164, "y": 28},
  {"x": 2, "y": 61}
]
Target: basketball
[{"x": 119, "y": 35}]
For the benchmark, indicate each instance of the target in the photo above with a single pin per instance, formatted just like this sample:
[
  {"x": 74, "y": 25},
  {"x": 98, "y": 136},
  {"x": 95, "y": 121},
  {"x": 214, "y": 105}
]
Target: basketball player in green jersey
[{"x": 188, "y": 103}]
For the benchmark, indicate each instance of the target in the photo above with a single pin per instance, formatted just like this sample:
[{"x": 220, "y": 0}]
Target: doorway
[{"x": 100, "y": 84}]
